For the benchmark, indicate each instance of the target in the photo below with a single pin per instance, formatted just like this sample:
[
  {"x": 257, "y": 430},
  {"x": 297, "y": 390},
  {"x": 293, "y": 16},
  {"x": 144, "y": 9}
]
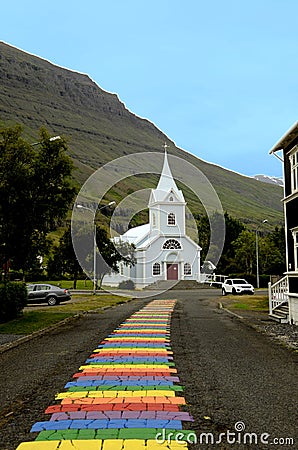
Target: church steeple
[
  {"x": 166, "y": 181},
  {"x": 166, "y": 184},
  {"x": 167, "y": 204}
]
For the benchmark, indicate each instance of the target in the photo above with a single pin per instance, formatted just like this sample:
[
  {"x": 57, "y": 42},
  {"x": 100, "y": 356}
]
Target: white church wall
[{"x": 178, "y": 211}]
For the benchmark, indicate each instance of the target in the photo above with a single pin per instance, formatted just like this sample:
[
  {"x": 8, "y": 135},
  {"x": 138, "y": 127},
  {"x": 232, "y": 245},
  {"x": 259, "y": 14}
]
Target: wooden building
[{"x": 285, "y": 292}]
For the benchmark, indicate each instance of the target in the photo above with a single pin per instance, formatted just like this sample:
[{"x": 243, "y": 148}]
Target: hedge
[{"x": 13, "y": 298}]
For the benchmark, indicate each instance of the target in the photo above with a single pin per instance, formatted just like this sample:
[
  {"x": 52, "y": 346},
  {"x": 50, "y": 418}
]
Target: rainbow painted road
[{"x": 126, "y": 395}]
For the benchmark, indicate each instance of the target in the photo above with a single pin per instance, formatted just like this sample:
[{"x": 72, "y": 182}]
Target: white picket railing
[
  {"x": 210, "y": 278},
  {"x": 278, "y": 293}
]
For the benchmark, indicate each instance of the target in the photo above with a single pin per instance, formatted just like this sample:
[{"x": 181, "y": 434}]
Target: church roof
[
  {"x": 166, "y": 185},
  {"x": 136, "y": 234}
]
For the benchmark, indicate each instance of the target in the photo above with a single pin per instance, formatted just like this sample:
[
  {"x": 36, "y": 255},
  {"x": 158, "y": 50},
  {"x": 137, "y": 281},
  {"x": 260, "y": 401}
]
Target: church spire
[{"x": 166, "y": 181}]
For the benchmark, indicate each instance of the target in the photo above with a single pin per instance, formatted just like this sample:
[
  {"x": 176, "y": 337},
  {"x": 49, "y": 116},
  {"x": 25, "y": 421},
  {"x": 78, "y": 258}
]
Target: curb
[
  {"x": 43, "y": 331},
  {"x": 257, "y": 328},
  {"x": 220, "y": 306}
]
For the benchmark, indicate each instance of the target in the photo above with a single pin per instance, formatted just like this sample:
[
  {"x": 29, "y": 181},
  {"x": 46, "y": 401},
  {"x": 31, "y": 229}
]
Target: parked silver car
[
  {"x": 236, "y": 286},
  {"x": 47, "y": 293}
]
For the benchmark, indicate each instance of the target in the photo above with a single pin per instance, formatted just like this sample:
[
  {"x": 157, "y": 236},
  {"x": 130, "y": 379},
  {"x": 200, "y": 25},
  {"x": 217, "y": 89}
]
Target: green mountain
[{"x": 99, "y": 128}]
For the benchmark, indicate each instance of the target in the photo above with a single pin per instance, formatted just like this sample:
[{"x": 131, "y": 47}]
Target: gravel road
[{"x": 231, "y": 373}]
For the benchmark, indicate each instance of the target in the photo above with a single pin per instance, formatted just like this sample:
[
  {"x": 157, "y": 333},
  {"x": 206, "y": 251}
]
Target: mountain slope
[{"x": 99, "y": 128}]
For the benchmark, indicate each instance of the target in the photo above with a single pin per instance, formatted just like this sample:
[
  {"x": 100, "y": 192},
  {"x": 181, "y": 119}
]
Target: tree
[
  {"x": 245, "y": 251},
  {"x": 111, "y": 254},
  {"x": 233, "y": 229},
  {"x": 273, "y": 252},
  {"x": 64, "y": 260},
  {"x": 36, "y": 189}
]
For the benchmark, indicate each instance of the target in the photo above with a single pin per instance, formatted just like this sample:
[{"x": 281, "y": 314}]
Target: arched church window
[
  {"x": 171, "y": 219},
  {"x": 171, "y": 244},
  {"x": 187, "y": 269},
  {"x": 153, "y": 220},
  {"x": 171, "y": 199},
  {"x": 156, "y": 269}
]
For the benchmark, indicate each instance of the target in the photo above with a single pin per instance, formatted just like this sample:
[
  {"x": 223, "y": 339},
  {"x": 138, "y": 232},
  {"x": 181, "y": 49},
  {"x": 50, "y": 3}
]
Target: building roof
[
  {"x": 136, "y": 234},
  {"x": 286, "y": 139}
]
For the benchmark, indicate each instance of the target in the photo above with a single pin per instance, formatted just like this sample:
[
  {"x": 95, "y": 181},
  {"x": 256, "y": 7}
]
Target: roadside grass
[
  {"x": 32, "y": 321},
  {"x": 247, "y": 302},
  {"x": 82, "y": 285},
  {"x": 88, "y": 303},
  {"x": 46, "y": 316},
  {"x": 68, "y": 284}
]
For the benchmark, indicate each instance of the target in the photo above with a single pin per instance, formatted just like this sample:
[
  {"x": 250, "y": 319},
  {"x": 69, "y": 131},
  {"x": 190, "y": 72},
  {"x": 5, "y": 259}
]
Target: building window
[
  {"x": 187, "y": 269},
  {"x": 153, "y": 220},
  {"x": 156, "y": 269},
  {"x": 294, "y": 170},
  {"x": 171, "y": 219},
  {"x": 121, "y": 269},
  {"x": 171, "y": 199},
  {"x": 295, "y": 236},
  {"x": 171, "y": 244}
]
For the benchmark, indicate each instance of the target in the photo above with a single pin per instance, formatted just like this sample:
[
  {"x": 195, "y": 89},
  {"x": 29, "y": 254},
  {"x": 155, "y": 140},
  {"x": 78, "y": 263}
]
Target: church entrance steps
[{"x": 174, "y": 285}]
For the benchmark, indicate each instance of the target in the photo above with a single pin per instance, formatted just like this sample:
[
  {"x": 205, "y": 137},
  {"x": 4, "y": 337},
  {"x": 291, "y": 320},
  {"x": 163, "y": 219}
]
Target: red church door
[{"x": 172, "y": 271}]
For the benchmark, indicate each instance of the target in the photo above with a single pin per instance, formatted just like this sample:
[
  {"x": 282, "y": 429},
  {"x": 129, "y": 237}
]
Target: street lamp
[
  {"x": 257, "y": 250},
  {"x": 94, "y": 240}
]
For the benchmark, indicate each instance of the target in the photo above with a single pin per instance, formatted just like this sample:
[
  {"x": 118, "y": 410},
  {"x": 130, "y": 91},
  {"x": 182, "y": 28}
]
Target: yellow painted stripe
[
  {"x": 98, "y": 444},
  {"x": 125, "y": 366},
  {"x": 111, "y": 394}
]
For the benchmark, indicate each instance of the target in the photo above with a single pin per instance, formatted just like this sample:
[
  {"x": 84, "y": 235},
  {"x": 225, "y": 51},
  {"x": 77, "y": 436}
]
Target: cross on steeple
[{"x": 165, "y": 146}]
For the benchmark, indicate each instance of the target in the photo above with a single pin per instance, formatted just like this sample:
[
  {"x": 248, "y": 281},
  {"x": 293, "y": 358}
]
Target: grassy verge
[
  {"x": 46, "y": 316},
  {"x": 32, "y": 321},
  {"x": 88, "y": 303},
  {"x": 247, "y": 302},
  {"x": 68, "y": 284}
]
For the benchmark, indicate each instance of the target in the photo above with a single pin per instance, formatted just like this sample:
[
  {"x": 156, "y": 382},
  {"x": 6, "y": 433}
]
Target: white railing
[
  {"x": 210, "y": 278},
  {"x": 278, "y": 293}
]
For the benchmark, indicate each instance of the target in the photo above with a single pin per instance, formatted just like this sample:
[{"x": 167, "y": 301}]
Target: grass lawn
[
  {"x": 46, "y": 316},
  {"x": 68, "y": 284},
  {"x": 88, "y": 303},
  {"x": 32, "y": 321},
  {"x": 247, "y": 302}
]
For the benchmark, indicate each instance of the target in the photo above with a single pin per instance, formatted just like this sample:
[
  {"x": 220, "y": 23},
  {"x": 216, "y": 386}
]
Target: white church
[{"x": 163, "y": 251}]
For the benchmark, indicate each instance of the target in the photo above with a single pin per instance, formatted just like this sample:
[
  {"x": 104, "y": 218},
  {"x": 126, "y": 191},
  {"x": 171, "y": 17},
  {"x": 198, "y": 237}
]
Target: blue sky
[{"x": 218, "y": 77}]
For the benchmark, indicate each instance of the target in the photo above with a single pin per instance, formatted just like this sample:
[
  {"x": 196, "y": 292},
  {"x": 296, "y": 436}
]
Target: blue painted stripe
[
  {"x": 82, "y": 424},
  {"x": 127, "y": 360},
  {"x": 144, "y": 383}
]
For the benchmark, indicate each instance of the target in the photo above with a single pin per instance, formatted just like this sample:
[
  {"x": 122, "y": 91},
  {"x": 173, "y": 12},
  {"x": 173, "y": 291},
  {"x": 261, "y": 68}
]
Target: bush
[
  {"x": 252, "y": 279},
  {"x": 13, "y": 298},
  {"x": 127, "y": 284}
]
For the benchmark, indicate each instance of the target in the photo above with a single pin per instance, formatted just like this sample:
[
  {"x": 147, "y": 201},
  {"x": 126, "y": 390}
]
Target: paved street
[{"x": 230, "y": 372}]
